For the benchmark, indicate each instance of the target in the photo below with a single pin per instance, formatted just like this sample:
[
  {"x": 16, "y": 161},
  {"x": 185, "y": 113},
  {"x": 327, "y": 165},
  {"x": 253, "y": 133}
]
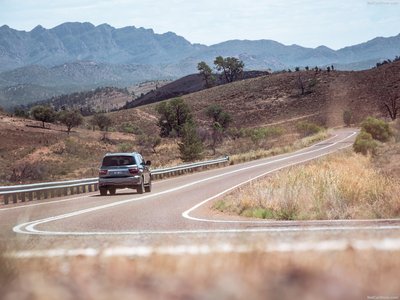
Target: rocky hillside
[
  {"x": 279, "y": 98},
  {"x": 183, "y": 86}
]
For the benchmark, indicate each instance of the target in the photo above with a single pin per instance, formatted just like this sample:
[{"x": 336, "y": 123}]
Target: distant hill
[
  {"x": 34, "y": 83},
  {"x": 183, "y": 86},
  {"x": 79, "y": 56},
  {"x": 103, "y": 99}
]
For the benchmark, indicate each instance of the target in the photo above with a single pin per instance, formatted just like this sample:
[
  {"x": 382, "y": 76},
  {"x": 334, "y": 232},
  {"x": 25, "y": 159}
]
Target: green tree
[
  {"x": 216, "y": 112},
  {"x": 206, "y": 72},
  {"x": 347, "y": 117},
  {"x": 103, "y": 122},
  {"x": 45, "y": 114},
  {"x": 20, "y": 112},
  {"x": 174, "y": 114},
  {"x": 190, "y": 146},
  {"x": 221, "y": 121},
  {"x": 231, "y": 67},
  {"x": 70, "y": 118}
]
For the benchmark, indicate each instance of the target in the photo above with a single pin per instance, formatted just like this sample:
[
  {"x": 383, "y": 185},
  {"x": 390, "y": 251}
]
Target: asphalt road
[{"x": 176, "y": 218}]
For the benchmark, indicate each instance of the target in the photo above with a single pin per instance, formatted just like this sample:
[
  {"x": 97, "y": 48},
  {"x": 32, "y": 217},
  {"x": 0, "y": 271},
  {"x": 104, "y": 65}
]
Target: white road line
[
  {"x": 302, "y": 228},
  {"x": 29, "y": 227},
  {"x": 388, "y": 244},
  {"x": 186, "y": 213},
  {"x": 165, "y": 180}
]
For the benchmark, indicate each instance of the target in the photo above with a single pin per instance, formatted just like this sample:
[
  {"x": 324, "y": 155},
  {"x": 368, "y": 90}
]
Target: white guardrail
[{"x": 38, "y": 191}]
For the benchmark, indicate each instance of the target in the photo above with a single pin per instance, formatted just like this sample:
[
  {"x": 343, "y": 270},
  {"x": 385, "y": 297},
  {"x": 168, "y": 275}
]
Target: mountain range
[{"x": 71, "y": 57}]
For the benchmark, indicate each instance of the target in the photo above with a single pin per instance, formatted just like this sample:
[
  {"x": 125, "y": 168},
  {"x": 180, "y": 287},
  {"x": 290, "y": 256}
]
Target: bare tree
[{"x": 393, "y": 107}]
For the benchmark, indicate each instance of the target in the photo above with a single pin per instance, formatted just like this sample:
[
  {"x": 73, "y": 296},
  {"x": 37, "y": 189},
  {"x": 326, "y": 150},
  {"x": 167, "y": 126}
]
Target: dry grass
[
  {"x": 287, "y": 144},
  {"x": 341, "y": 186},
  {"x": 334, "y": 275}
]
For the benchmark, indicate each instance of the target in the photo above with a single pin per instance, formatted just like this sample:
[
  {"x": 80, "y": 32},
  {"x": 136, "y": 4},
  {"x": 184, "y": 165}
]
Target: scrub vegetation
[{"x": 341, "y": 186}]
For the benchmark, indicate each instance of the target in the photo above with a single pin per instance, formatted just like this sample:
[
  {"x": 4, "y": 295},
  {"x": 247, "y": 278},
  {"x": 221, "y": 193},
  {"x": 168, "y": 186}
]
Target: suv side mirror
[{"x": 148, "y": 163}]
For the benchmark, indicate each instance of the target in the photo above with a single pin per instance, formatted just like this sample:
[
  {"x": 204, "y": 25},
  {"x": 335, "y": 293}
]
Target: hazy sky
[{"x": 334, "y": 23}]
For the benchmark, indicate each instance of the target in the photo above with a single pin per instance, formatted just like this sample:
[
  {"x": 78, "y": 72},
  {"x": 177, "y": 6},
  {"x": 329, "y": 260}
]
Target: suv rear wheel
[
  {"x": 140, "y": 188},
  {"x": 103, "y": 191},
  {"x": 147, "y": 188},
  {"x": 112, "y": 191}
]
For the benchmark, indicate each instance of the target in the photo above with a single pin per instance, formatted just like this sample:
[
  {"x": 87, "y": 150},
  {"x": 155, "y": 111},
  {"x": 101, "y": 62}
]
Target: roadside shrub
[
  {"x": 306, "y": 128},
  {"x": 130, "y": 128},
  {"x": 378, "y": 129},
  {"x": 235, "y": 133},
  {"x": 73, "y": 147},
  {"x": 126, "y": 147},
  {"x": 365, "y": 144},
  {"x": 149, "y": 142},
  {"x": 26, "y": 172},
  {"x": 258, "y": 134}
]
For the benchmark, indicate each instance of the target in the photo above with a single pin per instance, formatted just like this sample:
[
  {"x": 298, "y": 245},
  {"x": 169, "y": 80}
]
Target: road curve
[{"x": 177, "y": 213}]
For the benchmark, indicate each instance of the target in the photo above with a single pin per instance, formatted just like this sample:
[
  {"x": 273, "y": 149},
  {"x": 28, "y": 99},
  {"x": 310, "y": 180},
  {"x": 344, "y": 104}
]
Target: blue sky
[{"x": 334, "y": 23}]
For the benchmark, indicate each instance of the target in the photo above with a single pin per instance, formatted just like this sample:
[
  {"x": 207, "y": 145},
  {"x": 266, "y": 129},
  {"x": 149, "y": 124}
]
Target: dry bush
[
  {"x": 306, "y": 128},
  {"x": 286, "y": 145},
  {"x": 365, "y": 144},
  {"x": 29, "y": 171},
  {"x": 342, "y": 186}
]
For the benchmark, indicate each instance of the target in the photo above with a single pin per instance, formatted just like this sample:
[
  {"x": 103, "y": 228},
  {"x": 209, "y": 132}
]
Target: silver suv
[{"x": 124, "y": 170}]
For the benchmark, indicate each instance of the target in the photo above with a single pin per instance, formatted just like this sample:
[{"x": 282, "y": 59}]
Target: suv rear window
[{"x": 114, "y": 161}]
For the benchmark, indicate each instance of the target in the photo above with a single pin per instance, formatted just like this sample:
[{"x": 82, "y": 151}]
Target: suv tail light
[
  {"x": 134, "y": 170},
  {"x": 103, "y": 172}
]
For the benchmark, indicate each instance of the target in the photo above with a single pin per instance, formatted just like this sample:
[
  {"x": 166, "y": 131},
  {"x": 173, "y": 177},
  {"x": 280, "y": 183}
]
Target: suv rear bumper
[{"x": 120, "y": 182}]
